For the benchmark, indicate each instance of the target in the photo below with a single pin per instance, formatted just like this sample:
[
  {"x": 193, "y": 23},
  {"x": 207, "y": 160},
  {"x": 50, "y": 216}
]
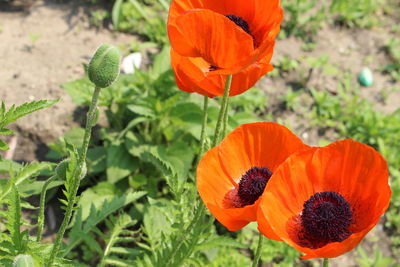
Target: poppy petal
[
  {"x": 262, "y": 144},
  {"x": 354, "y": 170},
  {"x": 212, "y": 36},
  {"x": 222, "y": 167},
  {"x": 193, "y": 75}
]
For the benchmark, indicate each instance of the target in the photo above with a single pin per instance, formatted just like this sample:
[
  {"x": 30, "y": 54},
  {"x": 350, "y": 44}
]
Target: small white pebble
[{"x": 131, "y": 62}]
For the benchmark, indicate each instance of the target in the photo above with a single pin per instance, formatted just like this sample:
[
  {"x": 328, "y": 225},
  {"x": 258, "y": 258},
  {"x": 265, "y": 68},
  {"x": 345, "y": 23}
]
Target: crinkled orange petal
[
  {"x": 212, "y": 36},
  {"x": 193, "y": 75},
  {"x": 354, "y": 170},
  {"x": 263, "y": 144},
  {"x": 263, "y": 18}
]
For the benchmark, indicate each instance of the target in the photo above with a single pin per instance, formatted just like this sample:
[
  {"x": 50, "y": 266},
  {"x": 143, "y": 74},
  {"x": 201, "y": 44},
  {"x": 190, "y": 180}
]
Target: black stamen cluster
[
  {"x": 240, "y": 22},
  {"x": 326, "y": 218},
  {"x": 213, "y": 67},
  {"x": 252, "y": 184}
]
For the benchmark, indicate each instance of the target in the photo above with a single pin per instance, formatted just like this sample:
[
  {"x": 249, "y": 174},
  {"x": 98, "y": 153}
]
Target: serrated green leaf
[
  {"x": 96, "y": 215},
  {"x": 14, "y": 218},
  {"x": 15, "y": 113},
  {"x": 28, "y": 171}
]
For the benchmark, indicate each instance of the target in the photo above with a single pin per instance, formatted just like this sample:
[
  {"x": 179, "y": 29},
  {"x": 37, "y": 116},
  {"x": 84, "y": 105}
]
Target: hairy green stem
[
  {"x": 90, "y": 121},
  {"x": 40, "y": 222},
  {"x": 325, "y": 262},
  {"x": 258, "y": 251},
  {"x": 226, "y": 118},
  {"x": 204, "y": 126},
  {"x": 222, "y": 110},
  {"x": 201, "y": 208}
]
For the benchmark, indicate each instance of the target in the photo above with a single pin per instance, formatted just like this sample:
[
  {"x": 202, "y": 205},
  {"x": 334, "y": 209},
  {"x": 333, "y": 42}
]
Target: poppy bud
[
  {"x": 62, "y": 167},
  {"x": 23, "y": 260},
  {"x": 104, "y": 66}
]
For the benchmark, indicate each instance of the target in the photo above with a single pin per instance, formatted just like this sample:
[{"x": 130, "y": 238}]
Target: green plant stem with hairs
[
  {"x": 226, "y": 118},
  {"x": 222, "y": 111},
  {"x": 203, "y": 127},
  {"x": 201, "y": 208},
  {"x": 40, "y": 222},
  {"x": 325, "y": 262},
  {"x": 90, "y": 121},
  {"x": 258, "y": 251}
]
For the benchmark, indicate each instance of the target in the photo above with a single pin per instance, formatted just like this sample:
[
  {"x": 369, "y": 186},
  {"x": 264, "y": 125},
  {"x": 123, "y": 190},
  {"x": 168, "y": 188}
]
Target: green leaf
[
  {"x": 81, "y": 92},
  {"x": 3, "y": 145},
  {"x": 15, "y": 113},
  {"x": 14, "y": 218},
  {"x": 24, "y": 174},
  {"x": 219, "y": 241},
  {"x": 96, "y": 159},
  {"x": 161, "y": 62},
  {"x": 119, "y": 163},
  {"x": 96, "y": 215},
  {"x": 5, "y": 131},
  {"x": 116, "y": 13}
]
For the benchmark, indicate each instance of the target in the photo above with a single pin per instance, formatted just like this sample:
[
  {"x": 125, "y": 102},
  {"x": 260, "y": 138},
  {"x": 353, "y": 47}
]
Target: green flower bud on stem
[
  {"x": 104, "y": 66},
  {"x": 23, "y": 260}
]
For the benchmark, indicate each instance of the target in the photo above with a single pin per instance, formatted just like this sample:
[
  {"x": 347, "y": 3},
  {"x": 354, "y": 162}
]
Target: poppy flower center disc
[
  {"x": 239, "y": 22},
  {"x": 326, "y": 218},
  {"x": 252, "y": 184}
]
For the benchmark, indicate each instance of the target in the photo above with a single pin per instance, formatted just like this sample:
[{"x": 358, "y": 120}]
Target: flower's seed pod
[
  {"x": 23, "y": 260},
  {"x": 104, "y": 66},
  {"x": 365, "y": 78}
]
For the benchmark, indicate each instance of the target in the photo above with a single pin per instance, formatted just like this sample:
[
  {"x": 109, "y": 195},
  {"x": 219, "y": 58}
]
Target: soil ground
[
  {"x": 45, "y": 44},
  {"x": 40, "y": 49}
]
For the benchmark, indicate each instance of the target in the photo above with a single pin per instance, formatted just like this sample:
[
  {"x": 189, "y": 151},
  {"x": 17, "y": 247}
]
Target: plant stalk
[
  {"x": 41, "y": 208},
  {"x": 90, "y": 121},
  {"x": 222, "y": 110},
  {"x": 203, "y": 127},
  {"x": 201, "y": 208},
  {"x": 325, "y": 262},
  {"x": 226, "y": 118},
  {"x": 258, "y": 251}
]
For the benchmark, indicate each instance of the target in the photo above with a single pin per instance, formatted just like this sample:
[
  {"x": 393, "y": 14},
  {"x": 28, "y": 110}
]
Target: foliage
[{"x": 16, "y": 112}]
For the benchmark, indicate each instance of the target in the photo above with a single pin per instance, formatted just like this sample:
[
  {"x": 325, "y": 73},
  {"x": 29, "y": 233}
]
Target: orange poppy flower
[
  {"x": 211, "y": 37},
  {"x": 323, "y": 201},
  {"x": 232, "y": 176},
  {"x": 191, "y": 75}
]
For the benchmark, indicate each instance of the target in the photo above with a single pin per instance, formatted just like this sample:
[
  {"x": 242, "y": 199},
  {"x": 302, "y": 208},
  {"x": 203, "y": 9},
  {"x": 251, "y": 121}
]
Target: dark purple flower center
[
  {"x": 325, "y": 218},
  {"x": 212, "y": 68},
  {"x": 252, "y": 184},
  {"x": 240, "y": 22}
]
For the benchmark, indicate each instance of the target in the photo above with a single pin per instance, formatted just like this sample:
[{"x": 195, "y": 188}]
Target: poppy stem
[
  {"x": 222, "y": 110},
  {"x": 325, "y": 262},
  {"x": 90, "y": 122},
  {"x": 40, "y": 222},
  {"x": 226, "y": 117},
  {"x": 203, "y": 126},
  {"x": 258, "y": 251}
]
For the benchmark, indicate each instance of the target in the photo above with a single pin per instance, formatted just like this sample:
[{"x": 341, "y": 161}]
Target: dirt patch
[{"x": 41, "y": 48}]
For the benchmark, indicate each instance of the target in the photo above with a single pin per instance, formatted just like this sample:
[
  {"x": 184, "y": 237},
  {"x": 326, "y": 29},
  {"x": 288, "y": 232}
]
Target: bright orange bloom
[
  {"x": 216, "y": 38},
  {"x": 323, "y": 201},
  {"x": 232, "y": 176}
]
